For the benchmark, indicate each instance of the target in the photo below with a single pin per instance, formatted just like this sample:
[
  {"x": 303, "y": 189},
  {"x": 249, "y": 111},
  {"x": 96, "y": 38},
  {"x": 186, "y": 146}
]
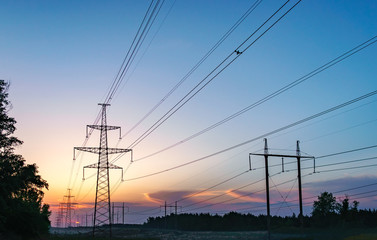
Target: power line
[
  {"x": 110, "y": 93},
  {"x": 235, "y": 198},
  {"x": 342, "y": 169},
  {"x": 145, "y": 26},
  {"x": 311, "y": 197},
  {"x": 245, "y": 195},
  {"x": 191, "y": 93},
  {"x": 352, "y": 195},
  {"x": 146, "y": 49},
  {"x": 216, "y": 185},
  {"x": 139, "y": 38},
  {"x": 349, "y": 151},
  {"x": 261, "y": 136},
  {"x": 274, "y": 94},
  {"x": 347, "y": 162},
  {"x": 223, "y": 194},
  {"x": 196, "y": 66},
  {"x": 291, "y": 180},
  {"x": 295, "y": 179},
  {"x": 324, "y": 156},
  {"x": 196, "y": 193},
  {"x": 343, "y": 190}
]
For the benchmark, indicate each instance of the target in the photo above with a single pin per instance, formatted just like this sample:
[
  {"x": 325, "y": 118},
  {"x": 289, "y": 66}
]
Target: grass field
[{"x": 135, "y": 233}]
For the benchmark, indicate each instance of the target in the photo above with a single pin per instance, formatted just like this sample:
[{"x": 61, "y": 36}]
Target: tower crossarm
[
  {"x": 97, "y": 150},
  {"x": 102, "y": 127},
  {"x": 111, "y": 166},
  {"x": 95, "y": 165}
]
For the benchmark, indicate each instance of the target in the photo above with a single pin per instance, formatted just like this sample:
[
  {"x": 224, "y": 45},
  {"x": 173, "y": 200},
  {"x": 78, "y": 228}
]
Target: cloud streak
[
  {"x": 152, "y": 199},
  {"x": 242, "y": 197}
]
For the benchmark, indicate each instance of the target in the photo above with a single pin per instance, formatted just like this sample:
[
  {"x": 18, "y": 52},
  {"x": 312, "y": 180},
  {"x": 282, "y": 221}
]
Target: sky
[{"x": 61, "y": 58}]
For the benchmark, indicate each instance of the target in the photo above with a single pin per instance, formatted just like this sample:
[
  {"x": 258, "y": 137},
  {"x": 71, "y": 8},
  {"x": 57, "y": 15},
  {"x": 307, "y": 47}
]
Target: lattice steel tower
[{"x": 102, "y": 210}]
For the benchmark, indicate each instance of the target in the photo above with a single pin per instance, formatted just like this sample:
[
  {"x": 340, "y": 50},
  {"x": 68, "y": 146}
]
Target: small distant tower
[
  {"x": 69, "y": 206},
  {"x": 59, "y": 216},
  {"x": 102, "y": 209}
]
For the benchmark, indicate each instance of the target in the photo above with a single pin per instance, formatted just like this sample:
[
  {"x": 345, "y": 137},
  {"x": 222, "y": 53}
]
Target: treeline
[
  {"x": 327, "y": 213},
  {"x": 229, "y": 222},
  {"x": 234, "y": 221},
  {"x": 23, "y": 215}
]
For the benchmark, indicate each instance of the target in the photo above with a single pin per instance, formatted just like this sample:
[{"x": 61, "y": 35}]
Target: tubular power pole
[
  {"x": 267, "y": 189},
  {"x": 122, "y": 207},
  {"x": 166, "y": 206},
  {"x": 102, "y": 208},
  {"x": 298, "y": 156}
]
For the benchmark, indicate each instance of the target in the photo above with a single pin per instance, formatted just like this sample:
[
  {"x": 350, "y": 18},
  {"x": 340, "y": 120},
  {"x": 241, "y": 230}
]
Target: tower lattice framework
[{"x": 102, "y": 209}]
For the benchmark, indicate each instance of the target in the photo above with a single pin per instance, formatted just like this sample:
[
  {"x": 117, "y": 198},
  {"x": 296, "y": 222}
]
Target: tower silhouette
[
  {"x": 59, "y": 216},
  {"x": 102, "y": 209},
  {"x": 69, "y": 205}
]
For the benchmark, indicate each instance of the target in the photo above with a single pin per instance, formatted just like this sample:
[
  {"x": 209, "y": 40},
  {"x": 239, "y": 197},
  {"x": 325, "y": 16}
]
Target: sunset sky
[{"x": 61, "y": 58}]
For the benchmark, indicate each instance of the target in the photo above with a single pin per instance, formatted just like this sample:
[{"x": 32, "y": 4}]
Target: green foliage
[{"x": 21, "y": 188}]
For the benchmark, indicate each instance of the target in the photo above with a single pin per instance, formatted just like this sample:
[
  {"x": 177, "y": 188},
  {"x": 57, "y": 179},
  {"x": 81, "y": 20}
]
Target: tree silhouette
[
  {"x": 21, "y": 188},
  {"x": 325, "y": 206}
]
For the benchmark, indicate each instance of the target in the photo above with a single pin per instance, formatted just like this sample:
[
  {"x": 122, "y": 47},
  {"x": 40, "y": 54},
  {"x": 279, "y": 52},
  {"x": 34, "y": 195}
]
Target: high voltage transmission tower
[{"x": 102, "y": 209}]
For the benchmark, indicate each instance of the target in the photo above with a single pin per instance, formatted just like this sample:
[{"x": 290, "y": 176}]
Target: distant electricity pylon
[
  {"x": 65, "y": 208},
  {"x": 69, "y": 207},
  {"x": 102, "y": 209},
  {"x": 59, "y": 216}
]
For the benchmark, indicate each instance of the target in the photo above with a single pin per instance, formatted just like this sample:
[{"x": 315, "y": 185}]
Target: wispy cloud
[
  {"x": 203, "y": 194},
  {"x": 242, "y": 197},
  {"x": 151, "y": 199}
]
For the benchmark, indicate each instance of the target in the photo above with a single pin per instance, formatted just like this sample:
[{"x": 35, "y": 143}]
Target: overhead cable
[
  {"x": 261, "y": 136},
  {"x": 272, "y": 95},
  {"x": 196, "y": 66},
  {"x": 204, "y": 82}
]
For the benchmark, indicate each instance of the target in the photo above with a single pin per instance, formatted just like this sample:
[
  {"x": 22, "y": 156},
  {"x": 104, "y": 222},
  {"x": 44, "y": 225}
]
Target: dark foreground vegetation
[
  {"x": 327, "y": 213},
  {"x": 247, "y": 222},
  {"x": 22, "y": 213},
  {"x": 140, "y": 232}
]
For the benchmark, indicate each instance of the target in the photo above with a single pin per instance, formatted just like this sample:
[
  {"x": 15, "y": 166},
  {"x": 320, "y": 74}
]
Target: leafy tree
[
  {"x": 21, "y": 188},
  {"x": 325, "y": 206},
  {"x": 344, "y": 207},
  {"x": 325, "y": 210}
]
